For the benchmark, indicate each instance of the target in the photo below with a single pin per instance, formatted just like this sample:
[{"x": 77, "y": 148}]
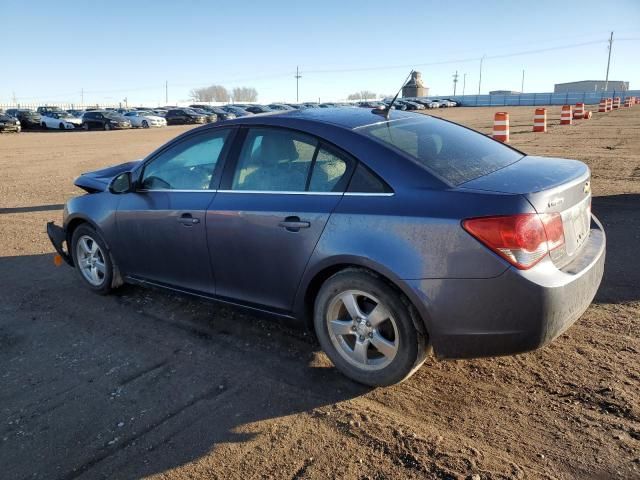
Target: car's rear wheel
[
  {"x": 92, "y": 259},
  {"x": 365, "y": 327},
  {"x": 107, "y": 126},
  {"x": 85, "y": 126},
  {"x": 61, "y": 126},
  {"x": 145, "y": 124},
  {"x": 44, "y": 125}
]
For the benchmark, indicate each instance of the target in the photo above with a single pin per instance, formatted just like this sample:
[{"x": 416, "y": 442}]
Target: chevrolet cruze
[{"x": 389, "y": 237}]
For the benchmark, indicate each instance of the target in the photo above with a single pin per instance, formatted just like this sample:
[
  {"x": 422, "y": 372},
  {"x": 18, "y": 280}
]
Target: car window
[
  {"x": 190, "y": 165},
  {"x": 274, "y": 160},
  {"x": 328, "y": 172},
  {"x": 453, "y": 153},
  {"x": 365, "y": 181}
]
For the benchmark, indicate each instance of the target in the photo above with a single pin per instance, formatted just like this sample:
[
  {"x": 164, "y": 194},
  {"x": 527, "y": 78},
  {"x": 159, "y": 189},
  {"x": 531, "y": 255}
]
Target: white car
[
  {"x": 145, "y": 119},
  {"x": 61, "y": 120}
]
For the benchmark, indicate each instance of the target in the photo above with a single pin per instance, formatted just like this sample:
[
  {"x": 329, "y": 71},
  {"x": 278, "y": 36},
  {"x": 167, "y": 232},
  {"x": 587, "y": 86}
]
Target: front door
[
  {"x": 161, "y": 225},
  {"x": 267, "y": 218}
]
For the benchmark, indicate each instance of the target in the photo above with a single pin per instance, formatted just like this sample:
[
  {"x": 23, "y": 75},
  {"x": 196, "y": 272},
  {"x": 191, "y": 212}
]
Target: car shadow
[
  {"x": 140, "y": 382},
  {"x": 620, "y": 216},
  {"x": 34, "y": 208}
]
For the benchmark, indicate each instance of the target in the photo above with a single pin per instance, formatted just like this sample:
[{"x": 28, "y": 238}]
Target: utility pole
[
  {"x": 297, "y": 77},
  {"x": 480, "y": 78},
  {"x": 166, "y": 92},
  {"x": 455, "y": 82},
  {"x": 522, "y": 84},
  {"x": 606, "y": 80},
  {"x": 464, "y": 82}
]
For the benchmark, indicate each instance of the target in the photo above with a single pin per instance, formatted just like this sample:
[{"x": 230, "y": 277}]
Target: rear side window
[
  {"x": 451, "y": 152},
  {"x": 282, "y": 160},
  {"x": 274, "y": 160},
  {"x": 329, "y": 172},
  {"x": 365, "y": 181}
]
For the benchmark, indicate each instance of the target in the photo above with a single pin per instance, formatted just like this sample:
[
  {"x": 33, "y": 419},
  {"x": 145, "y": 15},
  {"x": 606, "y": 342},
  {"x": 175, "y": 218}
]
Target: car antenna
[{"x": 386, "y": 111}]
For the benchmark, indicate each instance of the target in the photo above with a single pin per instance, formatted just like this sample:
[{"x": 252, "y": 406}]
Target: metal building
[
  {"x": 415, "y": 87},
  {"x": 590, "y": 86}
]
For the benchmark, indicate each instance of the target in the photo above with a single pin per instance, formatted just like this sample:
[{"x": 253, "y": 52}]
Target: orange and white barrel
[
  {"x": 603, "y": 105},
  {"x": 565, "y": 115},
  {"x": 609, "y": 104},
  {"x": 587, "y": 115},
  {"x": 616, "y": 102},
  {"x": 540, "y": 120},
  {"x": 627, "y": 102},
  {"x": 501, "y": 126},
  {"x": 578, "y": 112}
]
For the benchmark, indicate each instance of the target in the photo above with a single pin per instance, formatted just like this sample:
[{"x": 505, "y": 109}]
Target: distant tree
[
  {"x": 212, "y": 93},
  {"x": 362, "y": 95},
  {"x": 245, "y": 94}
]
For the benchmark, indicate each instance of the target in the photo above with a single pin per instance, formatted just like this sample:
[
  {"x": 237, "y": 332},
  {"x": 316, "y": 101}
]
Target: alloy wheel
[
  {"x": 362, "y": 330},
  {"x": 90, "y": 258}
]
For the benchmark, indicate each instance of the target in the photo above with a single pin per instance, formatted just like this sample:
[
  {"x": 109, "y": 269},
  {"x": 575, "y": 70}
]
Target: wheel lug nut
[
  {"x": 353, "y": 328},
  {"x": 370, "y": 334},
  {"x": 368, "y": 324},
  {"x": 362, "y": 338}
]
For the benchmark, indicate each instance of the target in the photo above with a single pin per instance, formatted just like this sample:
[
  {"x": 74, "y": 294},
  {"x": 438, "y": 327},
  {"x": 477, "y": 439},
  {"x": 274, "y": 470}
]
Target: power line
[{"x": 343, "y": 70}]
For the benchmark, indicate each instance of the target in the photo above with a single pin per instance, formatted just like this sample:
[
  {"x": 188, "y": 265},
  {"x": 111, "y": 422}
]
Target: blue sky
[{"x": 116, "y": 49}]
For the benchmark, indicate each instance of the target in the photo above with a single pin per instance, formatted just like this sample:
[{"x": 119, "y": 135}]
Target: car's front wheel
[
  {"x": 107, "y": 126},
  {"x": 145, "y": 124},
  {"x": 365, "y": 327},
  {"x": 85, "y": 126},
  {"x": 92, "y": 259}
]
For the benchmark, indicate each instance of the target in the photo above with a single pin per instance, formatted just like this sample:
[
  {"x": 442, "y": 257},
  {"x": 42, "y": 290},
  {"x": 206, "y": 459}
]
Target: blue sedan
[{"x": 389, "y": 237}]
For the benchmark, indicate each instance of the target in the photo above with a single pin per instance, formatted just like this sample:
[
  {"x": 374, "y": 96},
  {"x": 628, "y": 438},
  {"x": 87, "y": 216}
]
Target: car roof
[{"x": 349, "y": 118}]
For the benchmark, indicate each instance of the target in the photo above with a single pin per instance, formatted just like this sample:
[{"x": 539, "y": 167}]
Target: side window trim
[{"x": 217, "y": 172}]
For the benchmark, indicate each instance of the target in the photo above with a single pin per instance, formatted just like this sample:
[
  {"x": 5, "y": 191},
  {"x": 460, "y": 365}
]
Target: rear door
[
  {"x": 274, "y": 202},
  {"x": 162, "y": 225}
]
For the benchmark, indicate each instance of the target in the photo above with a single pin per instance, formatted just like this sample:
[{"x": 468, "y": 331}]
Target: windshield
[
  {"x": 112, "y": 115},
  {"x": 453, "y": 153}
]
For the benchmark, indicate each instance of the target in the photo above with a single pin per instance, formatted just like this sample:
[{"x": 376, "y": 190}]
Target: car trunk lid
[{"x": 551, "y": 185}]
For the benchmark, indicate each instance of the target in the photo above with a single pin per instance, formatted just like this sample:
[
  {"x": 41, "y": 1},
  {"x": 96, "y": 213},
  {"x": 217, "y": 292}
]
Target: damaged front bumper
[{"x": 58, "y": 237}]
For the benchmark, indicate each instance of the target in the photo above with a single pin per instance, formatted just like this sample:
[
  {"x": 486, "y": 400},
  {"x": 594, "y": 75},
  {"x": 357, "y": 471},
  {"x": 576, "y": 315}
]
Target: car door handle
[
  {"x": 187, "y": 220},
  {"x": 293, "y": 224}
]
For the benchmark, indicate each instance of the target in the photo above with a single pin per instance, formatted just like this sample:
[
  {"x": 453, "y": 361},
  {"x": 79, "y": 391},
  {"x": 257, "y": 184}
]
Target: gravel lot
[{"x": 145, "y": 383}]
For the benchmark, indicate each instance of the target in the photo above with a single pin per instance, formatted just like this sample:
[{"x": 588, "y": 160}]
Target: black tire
[
  {"x": 85, "y": 126},
  {"x": 61, "y": 126},
  {"x": 145, "y": 124},
  {"x": 411, "y": 347},
  {"x": 44, "y": 126},
  {"x": 84, "y": 231},
  {"x": 107, "y": 126}
]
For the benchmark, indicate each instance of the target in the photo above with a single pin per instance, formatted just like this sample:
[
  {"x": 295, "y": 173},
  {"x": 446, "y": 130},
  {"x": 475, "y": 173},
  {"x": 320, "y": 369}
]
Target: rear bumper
[
  {"x": 515, "y": 312},
  {"x": 58, "y": 237}
]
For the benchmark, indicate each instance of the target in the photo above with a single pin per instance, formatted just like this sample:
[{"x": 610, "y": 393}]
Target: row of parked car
[{"x": 47, "y": 117}]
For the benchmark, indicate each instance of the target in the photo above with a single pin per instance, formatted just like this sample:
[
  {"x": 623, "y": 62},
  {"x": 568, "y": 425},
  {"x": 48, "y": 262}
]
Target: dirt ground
[{"x": 148, "y": 384}]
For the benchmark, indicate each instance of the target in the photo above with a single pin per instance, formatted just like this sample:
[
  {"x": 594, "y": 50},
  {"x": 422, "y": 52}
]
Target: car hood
[{"x": 98, "y": 180}]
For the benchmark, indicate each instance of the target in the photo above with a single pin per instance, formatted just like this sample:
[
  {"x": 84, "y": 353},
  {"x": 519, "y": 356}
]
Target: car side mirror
[{"x": 121, "y": 184}]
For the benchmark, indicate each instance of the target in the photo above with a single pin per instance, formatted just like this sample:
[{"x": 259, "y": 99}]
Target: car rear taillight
[{"x": 523, "y": 240}]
